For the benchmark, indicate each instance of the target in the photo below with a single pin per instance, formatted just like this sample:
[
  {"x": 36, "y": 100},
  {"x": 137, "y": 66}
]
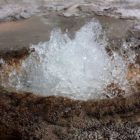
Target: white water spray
[{"x": 78, "y": 68}]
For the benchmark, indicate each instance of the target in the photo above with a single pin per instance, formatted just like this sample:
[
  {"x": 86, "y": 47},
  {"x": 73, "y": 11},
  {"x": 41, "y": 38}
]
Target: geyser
[{"x": 78, "y": 68}]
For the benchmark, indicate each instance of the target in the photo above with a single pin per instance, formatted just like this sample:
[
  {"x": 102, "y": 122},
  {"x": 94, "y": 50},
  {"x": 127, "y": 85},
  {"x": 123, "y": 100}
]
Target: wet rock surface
[
  {"x": 26, "y": 116},
  {"x": 14, "y": 55}
]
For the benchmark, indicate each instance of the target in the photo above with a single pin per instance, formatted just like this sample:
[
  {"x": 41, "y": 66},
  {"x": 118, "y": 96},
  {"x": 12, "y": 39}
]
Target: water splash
[{"x": 78, "y": 68}]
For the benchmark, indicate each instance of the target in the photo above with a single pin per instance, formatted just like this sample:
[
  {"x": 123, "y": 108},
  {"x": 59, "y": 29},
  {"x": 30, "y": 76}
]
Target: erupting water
[{"x": 78, "y": 68}]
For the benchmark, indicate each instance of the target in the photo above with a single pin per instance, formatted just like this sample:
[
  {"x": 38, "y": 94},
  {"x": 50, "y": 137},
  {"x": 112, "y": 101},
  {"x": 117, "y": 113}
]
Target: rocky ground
[{"x": 27, "y": 116}]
